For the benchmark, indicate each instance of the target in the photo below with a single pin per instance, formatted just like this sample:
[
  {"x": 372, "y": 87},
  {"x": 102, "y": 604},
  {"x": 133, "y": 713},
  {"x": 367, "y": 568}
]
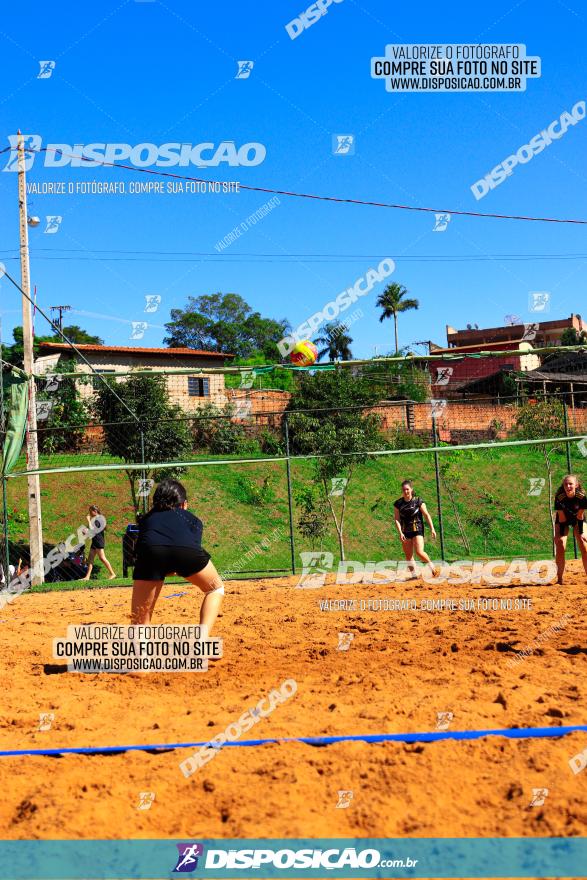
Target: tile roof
[{"x": 48, "y": 347}]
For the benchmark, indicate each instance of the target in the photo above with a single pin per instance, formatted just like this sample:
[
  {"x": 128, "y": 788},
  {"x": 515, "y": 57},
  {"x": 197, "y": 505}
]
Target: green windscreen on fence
[{"x": 17, "y": 390}]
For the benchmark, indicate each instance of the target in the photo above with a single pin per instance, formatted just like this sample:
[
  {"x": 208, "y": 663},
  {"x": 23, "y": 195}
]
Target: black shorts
[
  {"x": 156, "y": 561},
  {"x": 414, "y": 534},
  {"x": 98, "y": 542},
  {"x": 562, "y": 528}
]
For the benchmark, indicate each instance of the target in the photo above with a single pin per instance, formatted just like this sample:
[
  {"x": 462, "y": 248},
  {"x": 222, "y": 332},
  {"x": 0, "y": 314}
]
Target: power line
[
  {"x": 71, "y": 344},
  {"x": 314, "y": 196},
  {"x": 205, "y": 257}
]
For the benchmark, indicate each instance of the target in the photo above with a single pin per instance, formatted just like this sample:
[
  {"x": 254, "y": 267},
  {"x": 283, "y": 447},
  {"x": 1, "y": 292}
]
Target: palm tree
[
  {"x": 392, "y": 302},
  {"x": 336, "y": 342}
]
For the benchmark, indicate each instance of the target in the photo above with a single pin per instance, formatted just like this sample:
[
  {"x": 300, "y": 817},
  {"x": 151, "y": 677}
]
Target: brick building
[
  {"x": 451, "y": 378},
  {"x": 547, "y": 333},
  {"x": 189, "y": 391}
]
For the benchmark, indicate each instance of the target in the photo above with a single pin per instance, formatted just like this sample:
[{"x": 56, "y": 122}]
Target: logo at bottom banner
[
  {"x": 284, "y": 859},
  {"x": 187, "y": 860}
]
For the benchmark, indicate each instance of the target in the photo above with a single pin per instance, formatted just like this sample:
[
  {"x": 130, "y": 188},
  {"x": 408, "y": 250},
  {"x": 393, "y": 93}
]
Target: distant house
[
  {"x": 472, "y": 369},
  {"x": 564, "y": 375},
  {"x": 546, "y": 332},
  {"x": 190, "y": 391}
]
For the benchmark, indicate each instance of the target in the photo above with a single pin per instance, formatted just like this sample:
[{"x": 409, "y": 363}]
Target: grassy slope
[{"x": 243, "y": 504}]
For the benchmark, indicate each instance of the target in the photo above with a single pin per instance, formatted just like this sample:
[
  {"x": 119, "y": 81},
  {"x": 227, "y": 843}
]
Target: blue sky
[{"x": 142, "y": 72}]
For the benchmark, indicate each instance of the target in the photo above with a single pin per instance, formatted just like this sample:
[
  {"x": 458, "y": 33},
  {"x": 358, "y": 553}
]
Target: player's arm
[
  {"x": 398, "y": 524},
  {"x": 428, "y": 519},
  {"x": 559, "y": 512}
]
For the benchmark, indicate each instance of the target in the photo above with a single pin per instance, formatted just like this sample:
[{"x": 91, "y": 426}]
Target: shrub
[
  {"x": 214, "y": 430},
  {"x": 271, "y": 443},
  {"x": 249, "y": 492}
]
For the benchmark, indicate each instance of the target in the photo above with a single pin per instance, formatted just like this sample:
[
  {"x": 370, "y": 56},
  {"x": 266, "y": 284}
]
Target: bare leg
[
  {"x": 560, "y": 544},
  {"x": 90, "y": 565},
  {"x": 144, "y": 599},
  {"x": 210, "y": 582},
  {"x": 408, "y": 548},
  {"x": 102, "y": 558},
  {"x": 582, "y": 543},
  {"x": 421, "y": 553}
]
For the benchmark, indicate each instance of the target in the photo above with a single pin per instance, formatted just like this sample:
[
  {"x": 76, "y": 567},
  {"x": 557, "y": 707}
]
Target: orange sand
[{"x": 402, "y": 668}]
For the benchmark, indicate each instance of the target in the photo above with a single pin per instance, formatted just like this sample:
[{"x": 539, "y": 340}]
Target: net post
[
  {"x": 6, "y": 547},
  {"x": 289, "y": 496},
  {"x": 569, "y": 463},
  {"x": 143, "y": 472},
  {"x": 438, "y": 494}
]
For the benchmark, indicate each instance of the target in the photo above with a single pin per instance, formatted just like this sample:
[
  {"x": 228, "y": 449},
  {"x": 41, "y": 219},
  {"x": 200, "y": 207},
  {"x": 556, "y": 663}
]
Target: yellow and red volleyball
[{"x": 304, "y": 353}]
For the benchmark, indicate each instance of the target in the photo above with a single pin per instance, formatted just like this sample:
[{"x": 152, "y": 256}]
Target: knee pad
[{"x": 219, "y": 589}]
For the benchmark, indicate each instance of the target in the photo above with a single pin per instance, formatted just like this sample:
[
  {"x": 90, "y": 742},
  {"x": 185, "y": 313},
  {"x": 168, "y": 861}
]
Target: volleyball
[{"x": 304, "y": 353}]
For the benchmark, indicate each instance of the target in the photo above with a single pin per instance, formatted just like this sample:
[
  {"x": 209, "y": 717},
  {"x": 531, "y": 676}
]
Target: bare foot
[{"x": 112, "y": 576}]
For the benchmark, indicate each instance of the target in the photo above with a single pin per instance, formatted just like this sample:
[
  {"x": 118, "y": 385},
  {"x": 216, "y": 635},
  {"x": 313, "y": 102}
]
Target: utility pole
[
  {"x": 427, "y": 342},
  {"x": 60, "y": 309},
  {"x": 33, "y": 482}
]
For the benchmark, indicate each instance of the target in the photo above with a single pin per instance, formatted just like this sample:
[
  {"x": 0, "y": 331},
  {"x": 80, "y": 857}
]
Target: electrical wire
[
  {"x": 316, "y": 197},
  {"x": 206, "y": 256}
]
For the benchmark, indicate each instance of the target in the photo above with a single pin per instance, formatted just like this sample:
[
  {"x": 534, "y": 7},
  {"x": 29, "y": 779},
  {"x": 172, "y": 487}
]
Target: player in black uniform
[
  {"x": 570, "y": 502},
  {"x": 97, "y": 547},
  {"x": 410, "y": 512},
  {"x": 169, "y": 542}
]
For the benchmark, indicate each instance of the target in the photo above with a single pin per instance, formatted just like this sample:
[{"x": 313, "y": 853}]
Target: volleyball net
[
  {"x": 281, "y": 460},
  {"x": 272, "y": 482}
]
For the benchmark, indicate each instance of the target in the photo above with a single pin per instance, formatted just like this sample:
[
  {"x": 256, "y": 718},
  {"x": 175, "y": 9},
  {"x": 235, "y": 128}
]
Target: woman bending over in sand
[{"x": 570, "y": 502}]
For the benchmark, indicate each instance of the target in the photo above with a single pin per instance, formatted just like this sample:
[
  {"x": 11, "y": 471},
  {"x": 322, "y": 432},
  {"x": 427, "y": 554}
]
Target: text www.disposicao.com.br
[{"x": 137, "y": 664}]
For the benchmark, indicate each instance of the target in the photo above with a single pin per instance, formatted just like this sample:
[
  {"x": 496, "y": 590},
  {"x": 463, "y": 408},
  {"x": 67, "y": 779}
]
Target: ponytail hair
[{"x": 169, "y": 495}]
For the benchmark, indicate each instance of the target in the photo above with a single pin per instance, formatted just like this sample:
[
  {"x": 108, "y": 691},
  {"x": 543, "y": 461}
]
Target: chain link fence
[{"x": 268, "y": 490}]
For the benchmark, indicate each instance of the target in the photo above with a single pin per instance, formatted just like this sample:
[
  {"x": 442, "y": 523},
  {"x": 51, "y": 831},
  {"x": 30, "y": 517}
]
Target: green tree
[
  {"x": 538, "y": 421},
  {"x": 160, "y": 428},
  {"x": 313, "y": 517},
  {"x": 224, "y": 322},
  {"x": 484, "y": 522},
  {"x": 79, "y": 336},
  {"x": 64, "y": 429},
  {"x": 398, "y": 380},
  {"x": 571, "y": 336},
  {"x": 14, "y": 354},
  {"x": 250, "y": 377},
  {"x": 335, "y": 342},
  {"x": 331, "y": 390},
  {"x": 341, "y": 437},
  {"x": 214, "y": 430},
  {"x": 393, "y": 301}
]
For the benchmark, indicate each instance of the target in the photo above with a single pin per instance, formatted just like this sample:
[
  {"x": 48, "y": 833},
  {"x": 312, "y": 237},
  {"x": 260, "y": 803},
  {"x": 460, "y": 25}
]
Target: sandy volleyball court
[{"x": 400, "y": 671}]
